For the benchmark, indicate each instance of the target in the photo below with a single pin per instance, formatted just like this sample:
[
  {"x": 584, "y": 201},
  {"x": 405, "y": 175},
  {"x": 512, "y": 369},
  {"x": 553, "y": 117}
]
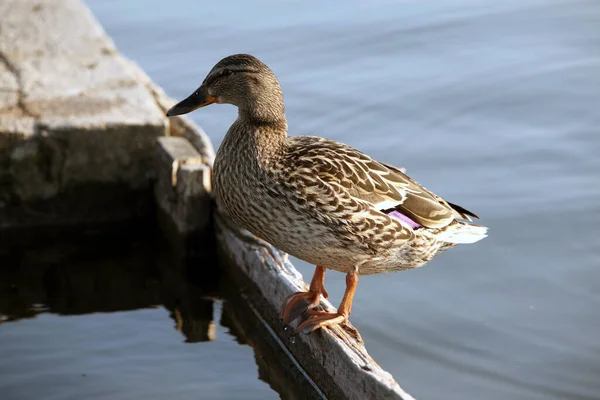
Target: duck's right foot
[{"x": 297, "y": 304}]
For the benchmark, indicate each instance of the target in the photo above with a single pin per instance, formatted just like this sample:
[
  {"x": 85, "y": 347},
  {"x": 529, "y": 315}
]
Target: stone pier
[{"x": 78, "y": 121}]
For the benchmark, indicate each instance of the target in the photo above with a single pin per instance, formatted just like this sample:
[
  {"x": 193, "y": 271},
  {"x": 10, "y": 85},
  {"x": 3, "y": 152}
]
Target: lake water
[{"x": 492, "y": 105}]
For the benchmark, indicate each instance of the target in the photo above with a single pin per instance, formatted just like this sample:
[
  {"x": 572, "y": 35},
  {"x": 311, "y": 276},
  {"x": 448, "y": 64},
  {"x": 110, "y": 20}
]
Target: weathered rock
[
  {"x": 73, "y": 112},
  {"x": 183, "y": 185},
  {"x": 9, "y": 89}
]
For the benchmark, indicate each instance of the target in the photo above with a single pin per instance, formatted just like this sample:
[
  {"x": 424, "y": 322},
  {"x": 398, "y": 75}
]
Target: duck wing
[{"x": 384, "y": 187}]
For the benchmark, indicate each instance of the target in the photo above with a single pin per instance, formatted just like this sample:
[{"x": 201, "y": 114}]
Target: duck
[{"x": 319, "y": 200}]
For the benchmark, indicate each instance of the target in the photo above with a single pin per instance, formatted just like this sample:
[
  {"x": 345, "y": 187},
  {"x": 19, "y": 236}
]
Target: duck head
[{"x": 241, "y": 80}]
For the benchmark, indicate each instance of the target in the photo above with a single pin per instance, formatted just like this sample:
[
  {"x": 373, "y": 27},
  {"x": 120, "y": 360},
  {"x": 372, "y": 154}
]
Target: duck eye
[{"x": 227, "y": 72}]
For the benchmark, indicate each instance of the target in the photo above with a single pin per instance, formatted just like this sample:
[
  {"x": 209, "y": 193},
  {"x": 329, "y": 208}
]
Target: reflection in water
[
  {"x": 274, "y": 366},
  {"x": 88, "y": 276},
  {"x": 96, "y": 275}
]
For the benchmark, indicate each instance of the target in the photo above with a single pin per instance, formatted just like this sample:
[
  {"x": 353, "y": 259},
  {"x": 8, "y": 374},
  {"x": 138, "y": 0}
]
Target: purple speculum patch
[{"x": 403, "y": 218}]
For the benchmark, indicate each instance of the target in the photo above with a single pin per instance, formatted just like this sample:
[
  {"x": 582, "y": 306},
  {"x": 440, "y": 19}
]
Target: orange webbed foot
[
  {"x": 320, "y": 319},
  {"x": 297, "y": 304}
]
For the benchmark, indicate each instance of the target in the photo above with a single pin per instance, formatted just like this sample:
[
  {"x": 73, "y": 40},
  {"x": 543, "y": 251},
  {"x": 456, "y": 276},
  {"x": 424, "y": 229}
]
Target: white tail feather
[{"x": 463, "y": 233}]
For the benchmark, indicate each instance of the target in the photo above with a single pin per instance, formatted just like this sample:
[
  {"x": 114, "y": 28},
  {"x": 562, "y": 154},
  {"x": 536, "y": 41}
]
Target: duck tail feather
[
  {"x": 463, "y": 211},
  {"x": 463, "y": 233}
]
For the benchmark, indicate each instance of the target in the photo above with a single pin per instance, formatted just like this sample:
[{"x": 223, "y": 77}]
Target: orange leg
[
  {"x": 297, "y": 303},
  {"x": 319, "y": 319}
]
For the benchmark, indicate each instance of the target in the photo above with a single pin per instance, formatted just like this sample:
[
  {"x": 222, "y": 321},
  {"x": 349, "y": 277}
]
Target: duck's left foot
[
  {"x": 319, "y": 319},
  {"x": 297, "y": 303}
]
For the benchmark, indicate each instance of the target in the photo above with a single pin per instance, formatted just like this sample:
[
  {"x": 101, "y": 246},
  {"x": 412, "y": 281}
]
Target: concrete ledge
[
  {"x": 73, "y": 112},
  {"x": 182, "y": 187}
]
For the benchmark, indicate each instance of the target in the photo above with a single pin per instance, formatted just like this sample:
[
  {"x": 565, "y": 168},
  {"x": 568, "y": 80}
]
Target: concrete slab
[
  {"x": 183, "y": 185},
  {"x": 9, "y": 89},
  {"x": 73, "y": 111}
]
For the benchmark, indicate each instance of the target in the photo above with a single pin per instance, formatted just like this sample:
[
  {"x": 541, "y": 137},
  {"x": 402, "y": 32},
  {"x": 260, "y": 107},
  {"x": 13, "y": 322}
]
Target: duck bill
[{"x": 199, "y": 98}]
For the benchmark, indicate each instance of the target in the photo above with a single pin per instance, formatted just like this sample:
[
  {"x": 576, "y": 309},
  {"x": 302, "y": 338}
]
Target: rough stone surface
[
  {"x": 72, "y": 110},
  {"x": 183, "y": 186},
  {"x": 9, "y": 89}
]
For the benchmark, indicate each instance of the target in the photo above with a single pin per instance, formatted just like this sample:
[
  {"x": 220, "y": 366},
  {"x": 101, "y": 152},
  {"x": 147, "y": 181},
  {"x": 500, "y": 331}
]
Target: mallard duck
[{"x": 316, "y": 199}]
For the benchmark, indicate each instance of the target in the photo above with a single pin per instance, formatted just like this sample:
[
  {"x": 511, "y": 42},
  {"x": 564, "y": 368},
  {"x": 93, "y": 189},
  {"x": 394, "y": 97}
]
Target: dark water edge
[{"x": 61, "y": 285}]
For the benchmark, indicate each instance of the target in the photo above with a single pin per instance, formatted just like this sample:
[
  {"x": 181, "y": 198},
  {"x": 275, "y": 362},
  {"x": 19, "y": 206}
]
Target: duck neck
[
  {"x": 265, "y": 108},
  {"x": 268, "y": 126},
  {"x": 266, "y": 117},
  {"x": 255, "y": 141}
]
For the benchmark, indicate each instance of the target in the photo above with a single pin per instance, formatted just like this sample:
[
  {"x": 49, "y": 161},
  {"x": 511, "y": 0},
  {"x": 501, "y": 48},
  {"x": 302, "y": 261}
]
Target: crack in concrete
[{"x": 20, "y": 92}]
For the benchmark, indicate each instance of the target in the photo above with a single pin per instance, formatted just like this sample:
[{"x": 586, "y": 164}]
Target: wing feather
[{"x": 366, "y": 180}]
